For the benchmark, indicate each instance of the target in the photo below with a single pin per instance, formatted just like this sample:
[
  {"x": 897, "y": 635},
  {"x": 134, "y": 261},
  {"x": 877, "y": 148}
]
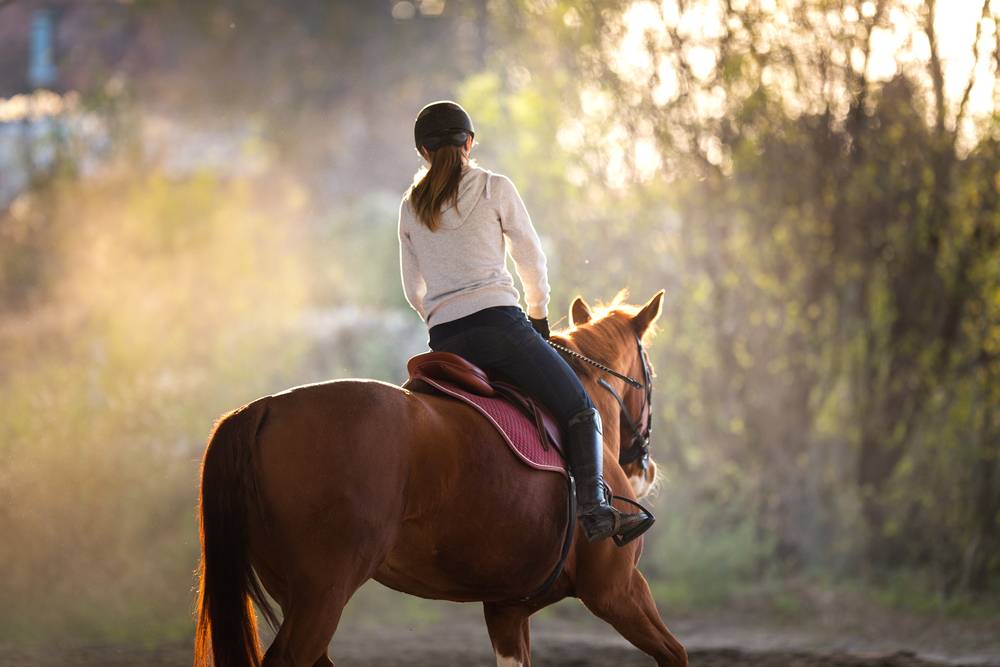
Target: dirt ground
[
  {"x": 384, "y": 629},
  {"x": 566, "y": 652},
  {"x": 554, "y": 642}
]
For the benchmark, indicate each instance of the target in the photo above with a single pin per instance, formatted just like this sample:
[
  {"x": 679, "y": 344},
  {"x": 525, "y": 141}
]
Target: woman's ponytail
[{"x": 437, "y": 185}]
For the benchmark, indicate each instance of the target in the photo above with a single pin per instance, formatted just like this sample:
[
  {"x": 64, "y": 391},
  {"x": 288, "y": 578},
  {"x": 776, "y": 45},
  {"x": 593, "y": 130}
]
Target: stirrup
[{"x": 623, "y": 537}]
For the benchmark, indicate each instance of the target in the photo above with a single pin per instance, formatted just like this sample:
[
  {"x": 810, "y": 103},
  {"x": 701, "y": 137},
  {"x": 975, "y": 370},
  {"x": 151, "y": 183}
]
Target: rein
[
  {"x": 638, "y": 449},
  {"x": 581, "y": 357}
]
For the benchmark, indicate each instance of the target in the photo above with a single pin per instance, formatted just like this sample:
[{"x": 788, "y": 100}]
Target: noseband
[{"x": 638, "y": 448}]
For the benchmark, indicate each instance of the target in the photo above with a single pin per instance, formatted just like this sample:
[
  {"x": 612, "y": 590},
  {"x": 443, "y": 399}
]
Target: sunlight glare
[{"x": 897, "y": 44}]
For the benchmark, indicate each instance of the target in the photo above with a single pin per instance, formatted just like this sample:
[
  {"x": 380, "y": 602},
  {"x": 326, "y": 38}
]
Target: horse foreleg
[
  {"x": 631, "y": 610},
  {"x": 508, "y": 626}
]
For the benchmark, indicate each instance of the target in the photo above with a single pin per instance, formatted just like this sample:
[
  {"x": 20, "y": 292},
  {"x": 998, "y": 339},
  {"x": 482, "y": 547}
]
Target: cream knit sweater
[{"x": 461, "y": 268}]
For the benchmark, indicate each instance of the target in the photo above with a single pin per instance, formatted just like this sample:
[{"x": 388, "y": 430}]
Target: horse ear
[
  {"x": 648, "y": 314},
  {"x": 579, "y": 312}
]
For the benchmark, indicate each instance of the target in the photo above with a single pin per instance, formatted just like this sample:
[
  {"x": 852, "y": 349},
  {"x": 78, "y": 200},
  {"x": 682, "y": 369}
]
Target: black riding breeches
[{"x": 501, "y": 341}]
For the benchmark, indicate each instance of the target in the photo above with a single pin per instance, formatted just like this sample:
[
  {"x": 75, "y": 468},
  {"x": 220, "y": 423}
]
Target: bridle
[{"x": 638, "y": 448}]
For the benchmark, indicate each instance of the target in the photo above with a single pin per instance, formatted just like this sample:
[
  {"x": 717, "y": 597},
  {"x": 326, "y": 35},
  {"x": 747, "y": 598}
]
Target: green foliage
[
  {"x": 172, "y": 302},
  {"x": 700, "y": 560}
]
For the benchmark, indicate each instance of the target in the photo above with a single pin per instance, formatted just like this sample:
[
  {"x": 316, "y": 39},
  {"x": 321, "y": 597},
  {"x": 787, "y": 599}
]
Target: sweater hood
[{"x": 475, "y": 185}]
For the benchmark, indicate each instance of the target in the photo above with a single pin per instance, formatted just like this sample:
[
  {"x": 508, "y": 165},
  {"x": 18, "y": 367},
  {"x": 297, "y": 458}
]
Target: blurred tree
[{"x": 830, "y": 275}]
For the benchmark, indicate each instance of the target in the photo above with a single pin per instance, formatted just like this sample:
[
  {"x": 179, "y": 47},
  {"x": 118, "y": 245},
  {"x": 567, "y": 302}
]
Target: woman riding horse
[
  {"x": 452, "y": 224},
  {"x": 311, "y": 492}
]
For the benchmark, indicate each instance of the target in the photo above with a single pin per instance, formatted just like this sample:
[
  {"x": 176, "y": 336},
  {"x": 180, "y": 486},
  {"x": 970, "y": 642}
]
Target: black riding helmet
[{"x": 442, "y": 123}]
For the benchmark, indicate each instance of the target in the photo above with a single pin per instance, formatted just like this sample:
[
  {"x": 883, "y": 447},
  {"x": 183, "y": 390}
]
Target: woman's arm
[
  {"x": 525, "y": 248},
  {"x": 414, "y": 286}
]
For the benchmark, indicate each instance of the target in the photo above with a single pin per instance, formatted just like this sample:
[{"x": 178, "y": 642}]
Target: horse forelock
[{"x": 606, "y": 337}]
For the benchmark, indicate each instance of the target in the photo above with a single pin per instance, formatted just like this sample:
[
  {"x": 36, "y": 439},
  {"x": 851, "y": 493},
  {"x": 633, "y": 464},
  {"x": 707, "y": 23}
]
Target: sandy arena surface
[{"x": 556, "y": 641}]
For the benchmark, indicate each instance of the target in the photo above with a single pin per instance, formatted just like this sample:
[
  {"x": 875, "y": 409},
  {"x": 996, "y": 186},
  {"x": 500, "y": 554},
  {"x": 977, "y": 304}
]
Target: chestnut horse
[{"x": 309, "y": 493}]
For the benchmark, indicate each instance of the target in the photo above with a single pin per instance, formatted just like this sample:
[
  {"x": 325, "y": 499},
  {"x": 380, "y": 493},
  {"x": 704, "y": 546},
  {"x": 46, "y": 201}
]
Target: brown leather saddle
[{"x": 454, "y": 369}]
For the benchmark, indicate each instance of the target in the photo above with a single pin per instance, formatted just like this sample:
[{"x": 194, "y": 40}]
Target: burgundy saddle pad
[{"x": 520, "y": 432}]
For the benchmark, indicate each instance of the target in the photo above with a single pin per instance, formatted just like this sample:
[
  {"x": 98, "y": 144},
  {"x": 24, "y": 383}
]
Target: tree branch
[
  {"x": 869, "y": 26},
  {"x": 937, "y": 75},
  {"x": 996, "y": 61},
  {"x": 972, "y": 75}
]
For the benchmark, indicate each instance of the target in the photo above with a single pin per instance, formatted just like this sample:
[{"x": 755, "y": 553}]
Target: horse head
[{"x": 615, "y": 335}]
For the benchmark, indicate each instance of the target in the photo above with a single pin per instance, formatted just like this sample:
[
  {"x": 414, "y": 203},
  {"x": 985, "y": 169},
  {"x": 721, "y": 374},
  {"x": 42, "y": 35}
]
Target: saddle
[{"x": 528, "y": 426}]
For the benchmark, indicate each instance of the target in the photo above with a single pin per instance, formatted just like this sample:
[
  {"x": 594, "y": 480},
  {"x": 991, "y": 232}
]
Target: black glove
[{"x": 541, "y": 326}]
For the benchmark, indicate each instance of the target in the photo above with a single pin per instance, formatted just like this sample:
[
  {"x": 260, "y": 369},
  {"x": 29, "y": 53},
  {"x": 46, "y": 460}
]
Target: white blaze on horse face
[
  {"x": 503, "y": 661},
  {"x": 642, "y": 483}
]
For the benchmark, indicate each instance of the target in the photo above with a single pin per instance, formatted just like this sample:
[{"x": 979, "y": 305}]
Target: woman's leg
[{"x": 519, "y": 354}]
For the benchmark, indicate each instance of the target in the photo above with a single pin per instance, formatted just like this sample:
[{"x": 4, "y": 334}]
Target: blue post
[{"x": 41, "y": 64}]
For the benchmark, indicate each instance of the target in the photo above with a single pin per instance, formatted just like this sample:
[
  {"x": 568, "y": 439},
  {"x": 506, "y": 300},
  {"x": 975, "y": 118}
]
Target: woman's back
[{"x": 460, "y": 267}]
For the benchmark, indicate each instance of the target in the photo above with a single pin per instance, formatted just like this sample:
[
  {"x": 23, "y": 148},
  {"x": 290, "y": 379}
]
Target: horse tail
[{"x": 226, "y": 633}]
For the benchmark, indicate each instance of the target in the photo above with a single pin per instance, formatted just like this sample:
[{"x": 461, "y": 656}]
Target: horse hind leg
[
  {"x": 311, "y": 618},
  {"x": 274, "y": 589},
  {"x": 311, "y": 609}
]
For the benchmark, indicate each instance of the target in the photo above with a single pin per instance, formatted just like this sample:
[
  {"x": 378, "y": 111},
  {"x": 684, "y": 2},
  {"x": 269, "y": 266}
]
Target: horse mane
[{"x": 608, "y": 333}]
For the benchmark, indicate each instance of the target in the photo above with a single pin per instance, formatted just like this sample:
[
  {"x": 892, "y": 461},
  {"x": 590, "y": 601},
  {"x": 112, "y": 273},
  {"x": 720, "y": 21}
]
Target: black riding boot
[{"x": 585, "y": 451}]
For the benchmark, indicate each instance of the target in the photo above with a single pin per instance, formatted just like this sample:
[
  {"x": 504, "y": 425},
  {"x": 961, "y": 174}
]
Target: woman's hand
[{"x": 541, "y": 326}]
